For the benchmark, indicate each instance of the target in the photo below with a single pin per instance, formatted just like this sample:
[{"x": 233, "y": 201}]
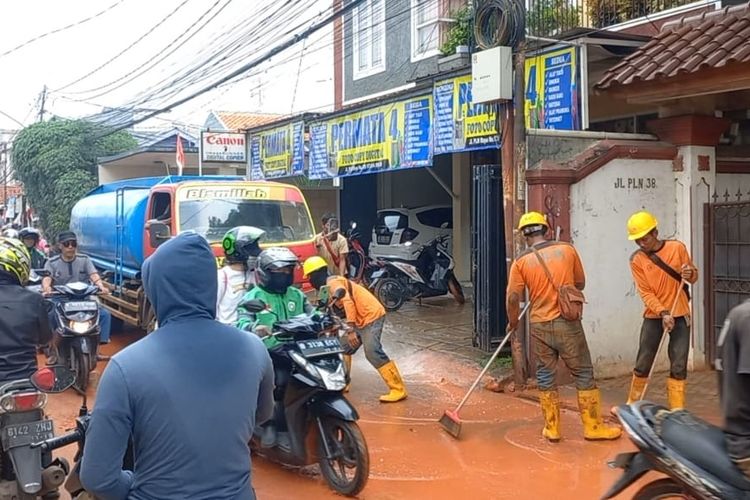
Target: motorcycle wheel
[
  {"x": 390, "y": 293},
  {"x": 347, "y": 472},
  {"x": 661, "y": 489},
  {"x": 454, "y": 287},
  {"x": 82, "y": 369}
]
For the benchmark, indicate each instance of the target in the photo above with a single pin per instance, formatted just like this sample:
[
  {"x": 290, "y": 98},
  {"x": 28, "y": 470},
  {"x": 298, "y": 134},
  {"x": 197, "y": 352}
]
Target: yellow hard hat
[
  {"x": 313, "y": 264},
  {"x": 532, "y": 219},
  {"x": 640, "y": 224}
]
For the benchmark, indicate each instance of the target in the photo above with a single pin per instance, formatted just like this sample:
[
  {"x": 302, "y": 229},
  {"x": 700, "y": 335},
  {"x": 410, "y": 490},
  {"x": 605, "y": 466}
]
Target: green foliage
[
  {"x": 548, "y": 18},
  {"x": 57, "y": 160},
  {"x": 460, "y": 33}
]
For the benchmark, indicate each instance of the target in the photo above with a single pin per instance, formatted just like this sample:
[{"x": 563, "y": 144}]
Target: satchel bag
[{"x": 570, "y": 300}]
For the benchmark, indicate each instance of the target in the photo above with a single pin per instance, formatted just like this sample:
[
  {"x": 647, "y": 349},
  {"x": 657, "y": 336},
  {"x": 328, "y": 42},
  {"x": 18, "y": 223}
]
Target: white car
[{"x": 397, "y": 226}]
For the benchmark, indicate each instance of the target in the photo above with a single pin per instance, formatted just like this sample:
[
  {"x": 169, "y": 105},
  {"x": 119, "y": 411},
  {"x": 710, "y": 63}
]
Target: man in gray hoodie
[{"x": 189, "y": 394}]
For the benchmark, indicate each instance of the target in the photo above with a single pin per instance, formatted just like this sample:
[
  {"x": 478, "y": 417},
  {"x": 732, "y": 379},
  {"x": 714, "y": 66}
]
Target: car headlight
[{"x": 80, "y": 326}]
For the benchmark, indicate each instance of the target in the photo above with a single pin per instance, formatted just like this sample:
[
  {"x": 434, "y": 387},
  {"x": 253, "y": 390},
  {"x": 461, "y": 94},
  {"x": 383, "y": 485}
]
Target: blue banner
[{"x": 278, "y": 152}]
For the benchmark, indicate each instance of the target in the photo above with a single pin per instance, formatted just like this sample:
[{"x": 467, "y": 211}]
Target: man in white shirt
[{"x": 237, "y": 276}]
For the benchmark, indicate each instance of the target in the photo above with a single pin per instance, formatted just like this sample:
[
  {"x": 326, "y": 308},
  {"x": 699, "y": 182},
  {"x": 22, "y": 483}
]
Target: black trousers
[{"x": 679, "y": 347}]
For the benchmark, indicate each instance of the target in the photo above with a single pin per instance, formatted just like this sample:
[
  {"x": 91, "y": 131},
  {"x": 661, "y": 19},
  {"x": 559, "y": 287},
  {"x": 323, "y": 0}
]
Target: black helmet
[
  {"x": 29, "y": 232},
  {"x": 272, "y": 259},
  {"x": 241, "y": 242}
]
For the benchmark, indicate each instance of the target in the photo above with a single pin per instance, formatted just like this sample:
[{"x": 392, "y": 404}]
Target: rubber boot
[
  {"x": 594, "y": 429},
  {"x": 550, "y": 401},
  {"x": 637, "y": 385},
  {"x": 348, "y": 365},
  {"x": 395, "y": 383},
  {"x": 676, "y": 393}
]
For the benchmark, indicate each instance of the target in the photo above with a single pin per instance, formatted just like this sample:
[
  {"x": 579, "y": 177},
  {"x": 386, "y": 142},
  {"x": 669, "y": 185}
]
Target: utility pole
[{"x": 42, "y": 102}]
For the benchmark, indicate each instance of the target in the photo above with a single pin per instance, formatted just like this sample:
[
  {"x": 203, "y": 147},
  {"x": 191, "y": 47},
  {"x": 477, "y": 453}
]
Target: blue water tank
[{"x": 94, "y": 220}]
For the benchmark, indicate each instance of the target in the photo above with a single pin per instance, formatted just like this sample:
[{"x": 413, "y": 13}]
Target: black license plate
[
  {"x": 319, "y": 347},
  {"x": 24, "y": 434}
]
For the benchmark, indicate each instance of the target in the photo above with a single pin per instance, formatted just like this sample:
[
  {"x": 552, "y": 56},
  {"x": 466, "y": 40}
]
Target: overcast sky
[{"x": 59, "y": 59}]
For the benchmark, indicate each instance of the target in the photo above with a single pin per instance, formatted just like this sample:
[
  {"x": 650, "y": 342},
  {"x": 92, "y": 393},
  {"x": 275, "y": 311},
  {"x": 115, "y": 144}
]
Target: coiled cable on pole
[{"x": 499, "y": 22}]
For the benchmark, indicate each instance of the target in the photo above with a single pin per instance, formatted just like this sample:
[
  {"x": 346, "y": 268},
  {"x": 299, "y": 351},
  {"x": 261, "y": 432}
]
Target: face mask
[
  {"x": 279, "y": 282},
  {"x": 318, "y": 279}
]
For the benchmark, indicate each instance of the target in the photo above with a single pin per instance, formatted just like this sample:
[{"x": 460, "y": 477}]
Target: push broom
[{"x": 450, "y": 420}]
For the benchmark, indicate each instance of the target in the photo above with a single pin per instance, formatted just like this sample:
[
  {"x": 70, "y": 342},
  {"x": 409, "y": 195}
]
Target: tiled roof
[
  {"x": 709, "y": 40},
  {"x": 240, "y": 120}
]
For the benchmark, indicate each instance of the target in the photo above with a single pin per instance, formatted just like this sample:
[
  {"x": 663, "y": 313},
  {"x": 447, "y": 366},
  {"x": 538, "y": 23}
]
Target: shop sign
[
  {"x": 223, "y": 147},
  {"x": 552, "y": 98},
  {"x": 383, "y": 138},
  {"x": 278, "y": 152},
  {"x": 460, "y": 124}
]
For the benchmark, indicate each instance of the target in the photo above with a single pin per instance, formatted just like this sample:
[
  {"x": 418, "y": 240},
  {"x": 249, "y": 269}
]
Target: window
[
  {"x": 369, "y": 38},
  {"x": 392, "y": 220},
  {"x": 425, "y": 28},
  {"x": 436, "y": 217},
  {"x": 161, "y": 208}
]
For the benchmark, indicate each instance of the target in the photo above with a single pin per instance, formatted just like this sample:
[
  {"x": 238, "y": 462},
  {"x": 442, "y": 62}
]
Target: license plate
[
  {"x": 384, "y": 239},
  {"x": 80, "y": 306},
  {"x": 320, "y": 347},
  {"x": 24, "y": 434}
]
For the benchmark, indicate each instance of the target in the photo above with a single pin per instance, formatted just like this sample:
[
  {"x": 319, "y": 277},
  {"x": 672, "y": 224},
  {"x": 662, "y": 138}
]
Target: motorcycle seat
[{"x": 702, "y": 444}]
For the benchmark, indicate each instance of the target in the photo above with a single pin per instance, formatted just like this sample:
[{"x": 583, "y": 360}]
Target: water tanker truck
[{"x": 120, "y": 224}]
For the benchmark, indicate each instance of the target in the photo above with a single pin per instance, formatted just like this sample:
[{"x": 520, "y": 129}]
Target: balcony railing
[{"x": 550, "y": 18}]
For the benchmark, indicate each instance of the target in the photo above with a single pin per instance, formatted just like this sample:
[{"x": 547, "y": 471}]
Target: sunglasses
[{"x": 68, "y": 244}]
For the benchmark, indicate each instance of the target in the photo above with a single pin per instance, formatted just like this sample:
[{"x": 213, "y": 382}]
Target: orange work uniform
[{"x": 361, "y": 307}]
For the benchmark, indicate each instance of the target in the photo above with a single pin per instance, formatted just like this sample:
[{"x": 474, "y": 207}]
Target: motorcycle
[
  {"x": 313, "y": 420},
  {"x": 361, "y": 267},
  {"x": 430, "y": 275},
  {"x": 78, "y": 327},
  {"x": 28, "y": 472},
  {"x": 690, "y": 452}
]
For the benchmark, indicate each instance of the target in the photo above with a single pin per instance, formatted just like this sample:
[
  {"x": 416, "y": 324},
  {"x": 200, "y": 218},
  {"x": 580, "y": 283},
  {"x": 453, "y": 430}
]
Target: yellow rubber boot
[
  {"x": 395, "y": 383},
  {"x": 550, "y": 401},
  {"x": 594, "y": 429},
  {"x": 348, "y": 365},
  {"x": 676, "y": 393},
  {"x": 637, "y": 385}
]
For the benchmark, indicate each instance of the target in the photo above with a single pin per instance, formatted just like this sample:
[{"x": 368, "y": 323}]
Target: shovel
[{"x": 450, "y": 420}]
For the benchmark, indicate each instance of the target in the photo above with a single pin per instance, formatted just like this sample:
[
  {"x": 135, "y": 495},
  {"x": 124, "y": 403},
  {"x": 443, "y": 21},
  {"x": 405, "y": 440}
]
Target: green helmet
[
  {"x": 241, "y": 242},
  {"x": 15, "y": 260}
]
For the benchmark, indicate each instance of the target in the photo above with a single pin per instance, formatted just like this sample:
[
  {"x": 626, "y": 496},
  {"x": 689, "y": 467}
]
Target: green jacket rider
[{"x": 30, "y": 237}]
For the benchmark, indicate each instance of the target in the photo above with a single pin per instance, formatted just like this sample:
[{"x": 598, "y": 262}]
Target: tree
[
  {"x": 549, "y": 18},
  {"x": 56, "y": 161}
]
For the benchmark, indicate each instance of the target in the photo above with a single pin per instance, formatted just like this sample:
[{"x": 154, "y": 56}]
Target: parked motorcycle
[
  {"x": 78, "y": 327},
  {"x": 313, "y": 420},
  {"x": 430, "y": 275},
  {"x": 690, "y": 452},
  {"x": 361, "y": 267},
  {"x": 28, "y": 472}
]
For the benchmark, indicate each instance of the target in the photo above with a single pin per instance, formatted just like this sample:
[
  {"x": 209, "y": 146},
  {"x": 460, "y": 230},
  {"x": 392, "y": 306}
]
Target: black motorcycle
[
  {"x": 361, "y": 266},
  {"x": 430, "y": 275},
  {"x": 78, "y": 327},
  {"x": 26, "y": 471},
  {"x": 690, "y": 452},
  {"x": 313, "y": 420}
]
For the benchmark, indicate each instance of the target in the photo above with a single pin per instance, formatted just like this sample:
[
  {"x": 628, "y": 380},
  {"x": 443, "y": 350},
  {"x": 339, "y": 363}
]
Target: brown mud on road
[{"x": 501, "y": 454}]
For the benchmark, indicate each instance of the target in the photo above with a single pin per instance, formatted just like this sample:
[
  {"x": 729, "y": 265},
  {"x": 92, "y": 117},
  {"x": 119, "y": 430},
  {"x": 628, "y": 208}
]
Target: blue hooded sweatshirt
[{"x": 190, "y": 393}]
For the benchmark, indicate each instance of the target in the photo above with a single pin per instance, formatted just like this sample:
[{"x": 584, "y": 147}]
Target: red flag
[{"x": 180, "y": 155}]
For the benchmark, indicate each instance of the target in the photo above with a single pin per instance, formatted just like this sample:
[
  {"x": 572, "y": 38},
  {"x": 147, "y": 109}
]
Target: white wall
[
  {"x": 599, "y": 213},
  {"x": 729, "y": 183}
]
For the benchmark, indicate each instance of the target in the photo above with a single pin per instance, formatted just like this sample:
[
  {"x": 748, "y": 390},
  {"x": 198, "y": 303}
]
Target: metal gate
[
  {"x": 727, "y": 230},
  {"x": 488, "y": 256}
]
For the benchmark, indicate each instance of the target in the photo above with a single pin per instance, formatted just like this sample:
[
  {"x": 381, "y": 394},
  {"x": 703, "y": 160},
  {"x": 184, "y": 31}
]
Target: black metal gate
[
  {"x": 488, "y": 256},
  {"x": 727, "y": 230}
]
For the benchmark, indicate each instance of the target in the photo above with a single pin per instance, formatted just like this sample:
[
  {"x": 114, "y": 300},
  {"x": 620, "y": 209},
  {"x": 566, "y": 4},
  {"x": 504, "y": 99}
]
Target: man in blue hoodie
[{"x": 189, "y": 394}]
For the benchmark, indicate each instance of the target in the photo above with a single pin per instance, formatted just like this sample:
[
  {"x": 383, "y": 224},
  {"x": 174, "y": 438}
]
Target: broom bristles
[{"x": 451, "y": 423}]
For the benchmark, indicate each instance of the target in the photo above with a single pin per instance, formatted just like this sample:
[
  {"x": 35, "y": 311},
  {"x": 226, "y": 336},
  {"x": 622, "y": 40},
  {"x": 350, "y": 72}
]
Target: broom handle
[
  {"x": 661, "y": 342},
  {"x": 489, "y": 363}
]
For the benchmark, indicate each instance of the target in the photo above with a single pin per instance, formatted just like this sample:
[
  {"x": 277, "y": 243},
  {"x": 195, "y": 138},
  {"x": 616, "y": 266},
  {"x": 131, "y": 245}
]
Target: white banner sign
[{"x": 223, "y": 147}]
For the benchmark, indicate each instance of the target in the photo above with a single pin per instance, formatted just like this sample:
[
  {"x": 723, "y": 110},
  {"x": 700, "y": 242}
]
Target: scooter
[
  {"x": 313, "y": 421},
  {"x": 78, "y": 327},
  {"x": 29, "y": 472},
  {"x": 431, "y": 275},
  {"x": 689, "y": 451},
  {"x": 361, "y": 267}
]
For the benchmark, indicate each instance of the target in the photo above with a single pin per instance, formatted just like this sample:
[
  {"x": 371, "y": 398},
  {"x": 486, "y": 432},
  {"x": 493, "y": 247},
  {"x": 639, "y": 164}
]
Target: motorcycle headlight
[{"x": 80, "y": 326}]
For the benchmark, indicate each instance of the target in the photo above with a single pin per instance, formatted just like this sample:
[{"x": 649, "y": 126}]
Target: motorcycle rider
[
  {"x": 192, "y": 413},
  {"x": 553, "y": 336},
  {"x": 241, "y": 252},
  {"x": 733, "y": 364},
  {"x": 365, "y": 317},
  {"x": 24, "y": 322},
  {"x": 30, "y": 237},
  {"x": 70, "y": 266}
]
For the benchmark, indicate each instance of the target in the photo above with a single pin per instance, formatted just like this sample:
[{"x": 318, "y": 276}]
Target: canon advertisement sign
[{"x": 223, "y": 146}]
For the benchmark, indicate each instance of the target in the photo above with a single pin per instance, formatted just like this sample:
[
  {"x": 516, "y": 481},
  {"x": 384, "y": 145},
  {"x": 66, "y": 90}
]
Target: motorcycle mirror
[
  {"x": 255, "y": 305},
  {"x": 339, "y": 294},
  {"x": 53, "y": 379}
]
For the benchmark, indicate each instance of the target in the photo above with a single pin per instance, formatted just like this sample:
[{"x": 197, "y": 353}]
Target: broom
[{"x": 450, "y": 420}]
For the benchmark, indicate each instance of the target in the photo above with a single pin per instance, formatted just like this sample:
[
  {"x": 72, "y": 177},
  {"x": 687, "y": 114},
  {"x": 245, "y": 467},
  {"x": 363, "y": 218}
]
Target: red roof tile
[
  {"x": 240, "y": 120},
  {"x": 709, "y": 40}
]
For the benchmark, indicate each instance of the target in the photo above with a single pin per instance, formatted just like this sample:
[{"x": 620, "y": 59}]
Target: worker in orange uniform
[
  {"x": 659, "y": 268},
  {"x": 543, "y": 268},
  {"x": 365, "y": 317}
]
